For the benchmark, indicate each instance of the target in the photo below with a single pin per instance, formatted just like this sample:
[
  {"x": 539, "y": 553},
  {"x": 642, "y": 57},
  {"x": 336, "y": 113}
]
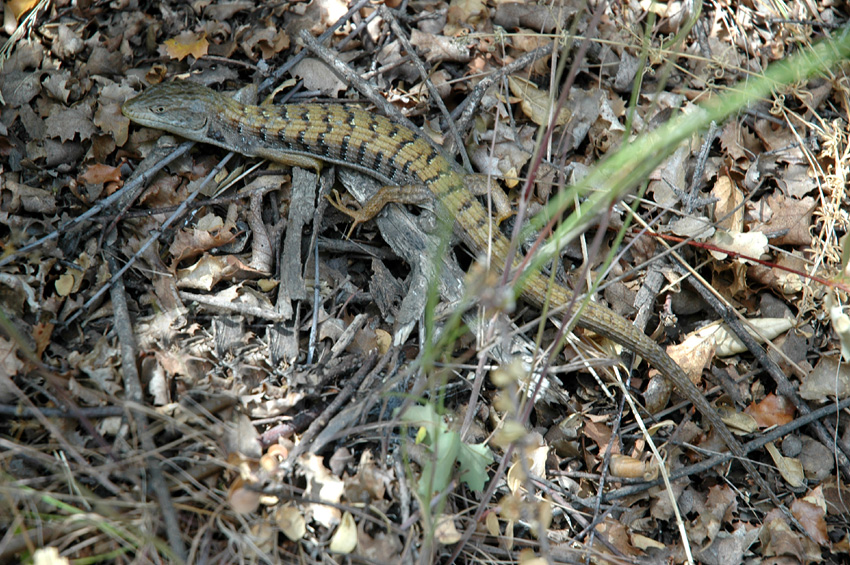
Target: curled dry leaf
[
  {"x": 344, "y": 539},
  {"x": 628, "y": 467},
  {"x": 760, "y": 329},
  {"x": 738, "y": 422}
]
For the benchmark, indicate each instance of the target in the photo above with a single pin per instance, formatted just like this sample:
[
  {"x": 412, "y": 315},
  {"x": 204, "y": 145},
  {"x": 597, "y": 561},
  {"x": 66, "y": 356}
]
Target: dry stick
[
  {"x": 141, "y": 180},
  {"x": 235, "y": 307},
  {"x": 341, "y": 398},
  {"x": 767, "y": 437},
  {"x": 823, "y": 430},
  {"x": 86, "y": 412},
  {"x": 153, "y": 237},
  {"x": 133, "y": 394}
]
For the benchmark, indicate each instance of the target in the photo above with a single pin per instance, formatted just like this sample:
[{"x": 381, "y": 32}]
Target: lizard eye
[{"x": 158, "y": 109}]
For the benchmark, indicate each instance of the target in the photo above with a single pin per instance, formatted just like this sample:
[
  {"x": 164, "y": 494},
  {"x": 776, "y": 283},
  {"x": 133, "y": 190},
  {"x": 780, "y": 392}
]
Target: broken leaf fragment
[
  {"x": 536, "y": 103},
  {"x": 789, "y": 467},
  {"x": 291, "y": 522}
]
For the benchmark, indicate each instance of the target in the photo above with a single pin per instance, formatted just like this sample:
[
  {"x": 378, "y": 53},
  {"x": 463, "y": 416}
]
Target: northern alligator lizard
[{"x": 397, "y": 156}]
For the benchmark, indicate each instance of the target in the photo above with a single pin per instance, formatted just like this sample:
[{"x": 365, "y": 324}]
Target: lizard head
[{"x": 182, "y": 108}]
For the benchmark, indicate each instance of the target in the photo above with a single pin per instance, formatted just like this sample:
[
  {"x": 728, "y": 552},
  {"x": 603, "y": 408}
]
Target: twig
[
  {"x": 234, "y": 307},
  {"x": 344, "y": 396}
]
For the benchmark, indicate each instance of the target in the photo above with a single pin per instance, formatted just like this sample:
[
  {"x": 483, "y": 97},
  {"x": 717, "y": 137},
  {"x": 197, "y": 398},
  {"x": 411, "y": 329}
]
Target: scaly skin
[{"x": 396, "y": 156}]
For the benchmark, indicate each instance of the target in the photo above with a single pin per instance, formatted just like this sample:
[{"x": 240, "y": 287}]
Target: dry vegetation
[{"x": 255, "y": 387}]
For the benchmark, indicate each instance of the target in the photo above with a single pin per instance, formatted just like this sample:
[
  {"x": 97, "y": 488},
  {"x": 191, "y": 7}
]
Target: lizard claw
[{"x": 355, "y": 215}]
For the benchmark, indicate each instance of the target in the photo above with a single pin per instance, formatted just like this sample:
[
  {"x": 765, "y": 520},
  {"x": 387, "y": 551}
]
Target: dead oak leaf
[
  {"x": 739, "y": 142},
  {"x": 100, "y": 174},
  {"x": 192, "y": 242},
  {"x": 791, "y": 218},
  {"x": 185, "y": 44},
  {"x": 268, "y": 41},
  {"x": 811, "y": 517},
  {"x": 796, "y": 181},
  {"x": 65, "y": 123}
]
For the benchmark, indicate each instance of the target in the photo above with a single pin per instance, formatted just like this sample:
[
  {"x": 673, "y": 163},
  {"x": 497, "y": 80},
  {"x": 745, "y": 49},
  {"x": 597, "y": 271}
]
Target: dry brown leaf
[
  {"x": 29, "y": 198},
  {"x": 812, "y": 518},
  {"x": 20, "y": 7},
  {"x": 464, "y": 14},
  {"x": 265, "y": 43},
  {"x": 751, "y": 244},
  {"x": 779, "y": 540},
  {"x": 67, "y": 123},
  {"x": 100, "y": 173},
  {"x": 445, "y": 530},
  {"x": 728, "y": 212},
  {"x": 600, "y": 434},
  {"x": 738, "y": 141},
  {"x": 186, "y": 44},
  {"x": 242, "y": 500},
  {"x": 790, "y": 220},
  {"x": 618, "y": 535},
  {"x": 191, "y": 242},
  {"x": 291, "y": 521},
  {"x": 772, "y": 411},
  {"x": 630, "y": 467},
  {"x": 699, "y": 228},
  {"x": 317, "y": 76},
  {"x": 738, "y": 422},
  {"x": 829, "y": 379},
  {"x": 789, "y": 467},
  {"x": 693, "y": 354},
  {"x": 536, "y": 103}
]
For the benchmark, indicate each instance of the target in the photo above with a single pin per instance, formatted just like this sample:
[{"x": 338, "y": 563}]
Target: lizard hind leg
[{"x": 418, "y": 195}]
